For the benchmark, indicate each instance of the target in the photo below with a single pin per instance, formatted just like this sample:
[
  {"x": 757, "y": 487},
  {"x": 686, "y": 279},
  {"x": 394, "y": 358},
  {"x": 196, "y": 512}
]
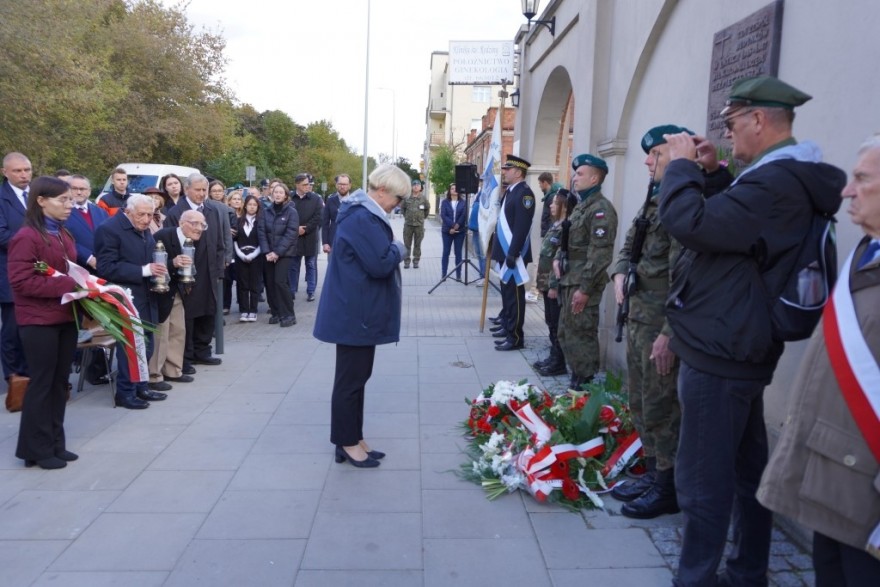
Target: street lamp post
[
  {"x": 393, "y": 123},
  {"x": 366, "y": 98}
]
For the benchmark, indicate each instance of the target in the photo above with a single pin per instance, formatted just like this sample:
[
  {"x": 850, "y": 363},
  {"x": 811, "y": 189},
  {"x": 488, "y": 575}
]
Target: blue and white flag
[{"x": 489, "y": 193}]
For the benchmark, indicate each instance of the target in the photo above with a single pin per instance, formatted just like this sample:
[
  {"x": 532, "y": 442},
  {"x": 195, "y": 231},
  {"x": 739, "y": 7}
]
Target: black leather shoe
[
  {"x": 159, "y": 386},
  {"x": 376, "y": 454},
  {"x": 181, "y": 379},
  {"x": 500, "y": 334},
  {"x": 50, "y": 463},
  {"x": 287, "y": 322},
  {"x": 552, "y": 370},
  {"x": 274, "y": 320},
  {"x": 500, "y": 342},
  {"x": 207, "y": 361},
  {"x": 496, "y": 328},
  {"x": 495, "y": 320},
  {"x": 510, "y": 346},
  {"x": 134, "y": 403},
  {"x": 633, "y": 489},
  {"x": 311, "y": 298},
  {"x": 151, "y": 396},
  {"x": 367, "y": 463},
  {"x": 536, "y": 364},
  {"x": 66, "y": 455},
  {"x": 188, "y": 369},
  {"x": 659, "y": 499}
]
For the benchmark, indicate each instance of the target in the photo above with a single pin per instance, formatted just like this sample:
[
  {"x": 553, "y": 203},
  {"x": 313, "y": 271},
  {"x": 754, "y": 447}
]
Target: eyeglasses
[
  {"x": 728, "y": 122},
  {"x": 197, "y": 224},
  {"x": 73, "y": 189}
]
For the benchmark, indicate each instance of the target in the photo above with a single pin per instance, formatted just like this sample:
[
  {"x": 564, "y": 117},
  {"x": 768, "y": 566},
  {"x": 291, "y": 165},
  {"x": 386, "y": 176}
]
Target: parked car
[{"x": 147, "y": 175}]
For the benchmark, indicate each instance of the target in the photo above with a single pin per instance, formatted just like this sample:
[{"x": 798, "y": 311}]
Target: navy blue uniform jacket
[{"x": 122, "y": 252}]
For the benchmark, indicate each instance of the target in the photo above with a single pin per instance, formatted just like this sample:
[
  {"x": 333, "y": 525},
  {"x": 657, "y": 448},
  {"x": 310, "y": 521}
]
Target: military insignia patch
[
  {"x": 600, "y": 232},
  {"x": 600, "y": 214},
  {"x": 528, "y": 201}
]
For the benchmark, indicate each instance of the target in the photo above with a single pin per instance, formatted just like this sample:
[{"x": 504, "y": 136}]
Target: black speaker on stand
[{"x": 467, "y": 183}]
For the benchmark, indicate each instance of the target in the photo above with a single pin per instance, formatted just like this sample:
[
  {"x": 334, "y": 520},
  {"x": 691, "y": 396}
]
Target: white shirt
[{"x": 19, "y": 193}]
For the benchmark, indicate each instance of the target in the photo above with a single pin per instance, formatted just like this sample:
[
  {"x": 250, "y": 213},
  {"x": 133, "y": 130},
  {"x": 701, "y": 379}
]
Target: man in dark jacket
[
  {"x": 331, "y": 209},
  {"x": 549, "y": 189},
  {"x": 124, "y": 248},
  {"x": 741, "y": 246},
  {"x": 114, "y": 200},
  {"x": 13, "y": 201},
  {"x": 308, "y": 206},
  {"x": 512, "y": 251},
  {"x": 84, "y": 219}
]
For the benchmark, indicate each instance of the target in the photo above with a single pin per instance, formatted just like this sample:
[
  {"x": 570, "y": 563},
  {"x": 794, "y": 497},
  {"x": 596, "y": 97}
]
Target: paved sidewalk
[{"x": 231, "y": 481}]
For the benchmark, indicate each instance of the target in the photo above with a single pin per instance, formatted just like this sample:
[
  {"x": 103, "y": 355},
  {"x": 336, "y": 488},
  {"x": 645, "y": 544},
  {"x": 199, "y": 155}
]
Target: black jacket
[
  {"x": 277, "y": 231},
  {"x": 741, "y": 245},
  {"x": 217, "y": 237},
  {"x": 328, "y": 219},
  {"x": 121, "y": 252},
  {"x": 519, "y": 209},
  {"x": 309, "y": 210}
]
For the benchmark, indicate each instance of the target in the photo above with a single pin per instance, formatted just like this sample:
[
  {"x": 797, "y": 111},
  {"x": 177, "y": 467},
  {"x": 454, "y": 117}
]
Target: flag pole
[{"x": 502, "y": 94}]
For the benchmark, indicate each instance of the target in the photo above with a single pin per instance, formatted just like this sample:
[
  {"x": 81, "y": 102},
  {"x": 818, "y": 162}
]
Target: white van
[{"x": 147, "y": 175}]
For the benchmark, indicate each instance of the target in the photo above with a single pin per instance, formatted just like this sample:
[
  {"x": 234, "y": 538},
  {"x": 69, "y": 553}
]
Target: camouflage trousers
[
  {"x": 653, "y": 400},
  {"x": 578, "y": 336},
  {"x": 412, "y": 240}
]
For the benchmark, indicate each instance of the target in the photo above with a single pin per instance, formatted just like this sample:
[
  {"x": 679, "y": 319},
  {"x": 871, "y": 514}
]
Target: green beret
[
  {"x": 654, "y": 136},
  {"x": 591, "y": 160},
  {"x": 765, "y": 91}
]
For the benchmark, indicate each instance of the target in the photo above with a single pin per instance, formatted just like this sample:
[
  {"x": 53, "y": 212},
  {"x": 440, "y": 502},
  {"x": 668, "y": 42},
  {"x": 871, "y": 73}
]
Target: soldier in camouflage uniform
[
  {"x": 548, "y": 285},
  {"x": 415, "y": 209},
  {"x": 652, "y": 369},
  {"x": 590, "y": 252}
]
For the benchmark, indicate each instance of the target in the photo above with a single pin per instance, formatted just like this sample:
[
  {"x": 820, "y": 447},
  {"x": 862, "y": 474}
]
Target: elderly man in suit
[
  {"x": 166, "y": 364},
  {"x": 216, "y": 252},
  {"x": 13, "y": 201},
  {"x": 84, "y": 219},
  {"x": 124, "y": 248}
]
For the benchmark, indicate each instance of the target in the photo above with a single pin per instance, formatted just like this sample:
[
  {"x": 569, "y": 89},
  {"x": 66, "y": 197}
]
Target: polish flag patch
[{"x": 600, "y": 214}]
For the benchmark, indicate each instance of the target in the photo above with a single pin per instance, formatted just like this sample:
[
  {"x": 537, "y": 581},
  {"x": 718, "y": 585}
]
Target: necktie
[
  {"x": 201, "y": 208},
  {"x": 869, "y": 254},
  {"x": 24, "y": 196}
]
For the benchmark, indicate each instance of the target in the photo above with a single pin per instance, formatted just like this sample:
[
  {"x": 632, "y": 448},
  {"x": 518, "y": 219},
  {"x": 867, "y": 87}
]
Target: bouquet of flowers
[
  {"x": 111, "y": 306},
  {"x": 565, "y": 449}
]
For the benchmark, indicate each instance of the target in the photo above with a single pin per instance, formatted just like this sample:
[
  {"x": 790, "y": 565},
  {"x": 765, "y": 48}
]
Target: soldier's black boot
[
  {"x": 542, "y": 362},
  {"x": 658, "y": 500},
  {"x": 636, "y": 487},
  {"x": 555, "y": 364}
]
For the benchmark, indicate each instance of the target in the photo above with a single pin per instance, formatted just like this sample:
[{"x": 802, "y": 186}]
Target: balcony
[{"x": 437, "y": 139}]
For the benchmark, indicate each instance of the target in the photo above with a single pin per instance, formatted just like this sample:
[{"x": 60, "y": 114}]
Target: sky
[{"x": 308, "y": 58}]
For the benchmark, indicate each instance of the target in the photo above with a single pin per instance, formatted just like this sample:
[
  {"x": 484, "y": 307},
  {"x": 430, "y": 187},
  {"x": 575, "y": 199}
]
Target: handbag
[{"x": 18, "y": 385}]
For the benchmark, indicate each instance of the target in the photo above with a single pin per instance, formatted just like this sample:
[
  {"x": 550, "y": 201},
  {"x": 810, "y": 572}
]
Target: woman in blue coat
[
  {"x": 360, "y": 304},
  {"x": 452, "y": 214}
]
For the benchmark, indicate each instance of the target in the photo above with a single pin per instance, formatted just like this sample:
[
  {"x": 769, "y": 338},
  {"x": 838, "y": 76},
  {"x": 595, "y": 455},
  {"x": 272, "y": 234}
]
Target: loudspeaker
[{"x": 466, "y": 179}]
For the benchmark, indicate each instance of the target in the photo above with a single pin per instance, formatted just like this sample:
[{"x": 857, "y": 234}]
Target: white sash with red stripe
[
  {"x": 855, "y": 369},
  {"x": 857, "y": 373}
]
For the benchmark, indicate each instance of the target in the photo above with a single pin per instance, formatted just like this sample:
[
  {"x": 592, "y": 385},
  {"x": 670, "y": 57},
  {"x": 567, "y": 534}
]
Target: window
[
  {"x": 476, "y": 124},
  {"x": 481, "y": 94}
]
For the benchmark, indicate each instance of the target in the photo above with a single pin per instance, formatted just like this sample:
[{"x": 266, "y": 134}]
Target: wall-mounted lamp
[
  {"x": 514, "y": 99},
  {"x": 530, "y": 9}
]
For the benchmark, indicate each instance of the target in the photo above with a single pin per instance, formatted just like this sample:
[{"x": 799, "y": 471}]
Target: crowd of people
[{"x": 699, "y": 272}]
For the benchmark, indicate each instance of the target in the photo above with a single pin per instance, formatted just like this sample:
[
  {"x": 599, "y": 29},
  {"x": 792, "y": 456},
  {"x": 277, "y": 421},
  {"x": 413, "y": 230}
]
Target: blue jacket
[
  {"x": 83, "y": 234},
  {"x": 11, "y": 219},
  {"x": 449, "y": 219},
  {"x": 474, "y": 218},
  {"x": 278, "y": 232},
  {"x": 361, "y": 298}
]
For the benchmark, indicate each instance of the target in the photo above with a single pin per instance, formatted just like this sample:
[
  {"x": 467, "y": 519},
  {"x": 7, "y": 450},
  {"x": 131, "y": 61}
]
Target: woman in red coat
[{"x": 47, "y": 328}]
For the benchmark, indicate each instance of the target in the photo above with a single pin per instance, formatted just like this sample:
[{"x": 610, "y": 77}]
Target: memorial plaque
[{"x": 746, "y": 48}]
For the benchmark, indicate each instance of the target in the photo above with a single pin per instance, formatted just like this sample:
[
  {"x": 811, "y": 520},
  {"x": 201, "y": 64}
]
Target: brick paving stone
[
  {"x": 800, "y": 561},
  {"x": 787, "y": 579},
  {"x": 778, "y": 564}
]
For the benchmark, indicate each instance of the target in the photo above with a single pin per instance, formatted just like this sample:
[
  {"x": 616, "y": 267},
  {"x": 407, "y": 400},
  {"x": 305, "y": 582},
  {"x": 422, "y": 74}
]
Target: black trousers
[
  {"x": 11, "y": 351},
  {"x": 199, "y": 332},
  {"x": 841, "y": 565},
  {"x": 354, "y": 365},
  {"x": 513, "y": 301},
  {"x": 228, "y": 278},
  {"x": 50, "y": 351},
  {"x": 278, "y": 287},
  {"x": 249, "y": 284}
]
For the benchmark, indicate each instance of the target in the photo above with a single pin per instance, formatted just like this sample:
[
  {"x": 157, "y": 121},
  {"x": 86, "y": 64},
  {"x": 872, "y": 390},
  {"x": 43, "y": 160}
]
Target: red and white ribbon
[{"x": 95, "y": 287}]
